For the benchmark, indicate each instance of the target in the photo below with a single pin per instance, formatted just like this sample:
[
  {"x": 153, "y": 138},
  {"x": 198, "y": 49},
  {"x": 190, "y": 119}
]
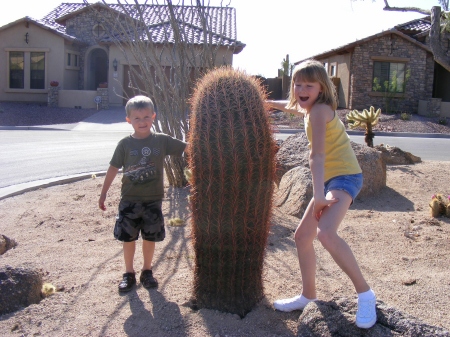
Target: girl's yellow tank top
[{"x": 340, "y": 159}]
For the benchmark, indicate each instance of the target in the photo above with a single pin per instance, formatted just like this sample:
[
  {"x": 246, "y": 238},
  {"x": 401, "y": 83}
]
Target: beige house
[
  {"x": 71, "y": 46},
  {"x": 395, "y": 52}
]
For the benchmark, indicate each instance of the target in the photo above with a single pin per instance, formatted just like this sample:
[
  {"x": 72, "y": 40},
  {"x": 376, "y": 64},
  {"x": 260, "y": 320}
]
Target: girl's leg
[
  {"x": 329, "y": 222},
  {"x": 148, "y": 249},
  {"x": 304, "y": 237},
  {"x": 128, "y": 255}
]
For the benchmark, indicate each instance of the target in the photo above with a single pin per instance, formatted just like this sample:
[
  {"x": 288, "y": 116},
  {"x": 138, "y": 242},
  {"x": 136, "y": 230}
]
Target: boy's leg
[
  {"x": 153, "y": 231},
  {"x": 146, "y": 278},
  {"x": 148, "y": 249},
  {"x": 129, "y": 277},
  {"x": 128, "y": 254}
]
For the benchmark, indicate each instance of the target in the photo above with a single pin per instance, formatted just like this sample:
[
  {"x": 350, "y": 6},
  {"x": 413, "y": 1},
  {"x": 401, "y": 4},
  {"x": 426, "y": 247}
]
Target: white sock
[
  {"x": 304, "y": 301},
  {"x": 367, "y": 295}
]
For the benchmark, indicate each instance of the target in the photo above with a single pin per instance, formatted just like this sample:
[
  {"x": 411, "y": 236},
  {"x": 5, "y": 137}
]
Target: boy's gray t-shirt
[{"x": 142, "y": 161}]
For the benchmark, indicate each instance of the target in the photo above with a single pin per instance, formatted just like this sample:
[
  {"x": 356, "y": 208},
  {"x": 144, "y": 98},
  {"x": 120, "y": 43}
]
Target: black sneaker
[
  {"x": 128, "y": 281},
  {"x": 147, "y": 279}
]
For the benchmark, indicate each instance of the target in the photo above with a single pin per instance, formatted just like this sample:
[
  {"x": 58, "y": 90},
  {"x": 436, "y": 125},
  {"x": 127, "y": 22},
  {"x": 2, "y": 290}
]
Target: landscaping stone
[{"x": 19, "y": 287}]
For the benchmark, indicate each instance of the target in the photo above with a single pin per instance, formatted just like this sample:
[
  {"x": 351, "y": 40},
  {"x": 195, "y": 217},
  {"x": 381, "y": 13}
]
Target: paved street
[
  {"x": 29, "y": 155},
  {"x": 40, "y": 155}
]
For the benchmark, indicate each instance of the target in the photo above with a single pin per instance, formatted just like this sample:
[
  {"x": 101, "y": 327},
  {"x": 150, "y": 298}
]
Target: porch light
[
  {"x": 26, "y": 37},
  {"x": 115, "y": 65}
]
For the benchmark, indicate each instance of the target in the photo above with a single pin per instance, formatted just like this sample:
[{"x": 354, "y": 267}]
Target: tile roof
[
  {"x": 221, "y": 23},
  {"x": 415, "y": 27}
]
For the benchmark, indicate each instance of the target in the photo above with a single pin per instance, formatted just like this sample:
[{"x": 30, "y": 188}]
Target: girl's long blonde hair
[{"x": 313, "y": 71}]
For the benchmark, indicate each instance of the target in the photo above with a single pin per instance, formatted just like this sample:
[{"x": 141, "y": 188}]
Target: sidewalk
[{"x": 112, "y": 119}]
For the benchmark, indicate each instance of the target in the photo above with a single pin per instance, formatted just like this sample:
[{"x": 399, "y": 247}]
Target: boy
[{"x": 142, "y": 156}]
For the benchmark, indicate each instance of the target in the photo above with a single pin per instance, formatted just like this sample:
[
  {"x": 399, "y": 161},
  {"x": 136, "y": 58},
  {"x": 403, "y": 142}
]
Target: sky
[{"x": 273, "y": 29}]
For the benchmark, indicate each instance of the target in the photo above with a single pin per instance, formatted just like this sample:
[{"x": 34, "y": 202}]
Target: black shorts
[{"x": 143, "y": 217}]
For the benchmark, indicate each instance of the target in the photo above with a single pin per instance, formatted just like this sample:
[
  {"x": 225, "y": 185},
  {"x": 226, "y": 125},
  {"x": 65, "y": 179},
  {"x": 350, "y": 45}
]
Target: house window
[
  {"x": 37, "y": 70},
  {"x": 27, "y": 68},
  {"x": 16, "y": 70},
  {"x": 72, "y": 61},
  {"x": 98, "y": 30},
  {"x": 388, "y": 76},
  {"x": 333, "y": 69}
]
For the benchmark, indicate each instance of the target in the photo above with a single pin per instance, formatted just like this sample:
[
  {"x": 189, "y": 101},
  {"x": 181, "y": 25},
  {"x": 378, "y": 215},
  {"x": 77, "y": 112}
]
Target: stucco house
[
  {"x": 71, "y": 46},
  {"x": 397, "y": 51}
]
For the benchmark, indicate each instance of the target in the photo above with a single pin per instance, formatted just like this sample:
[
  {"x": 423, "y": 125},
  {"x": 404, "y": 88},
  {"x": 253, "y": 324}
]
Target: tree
[
  {"x": 440, "y": 55},
  {"x": 168, "y": 67}
]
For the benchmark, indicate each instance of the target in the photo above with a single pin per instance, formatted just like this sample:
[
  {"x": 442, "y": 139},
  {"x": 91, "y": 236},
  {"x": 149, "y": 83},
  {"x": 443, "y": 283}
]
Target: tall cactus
[{"x": 231, "y": 155}]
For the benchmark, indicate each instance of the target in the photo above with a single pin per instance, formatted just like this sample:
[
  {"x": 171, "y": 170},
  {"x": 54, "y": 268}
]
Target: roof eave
[
  {"x": 349, "y": 47},
  {"x": 27, "y": 19}
]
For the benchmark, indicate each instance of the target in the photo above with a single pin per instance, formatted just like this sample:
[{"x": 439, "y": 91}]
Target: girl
[{"x": 337, "y": 180}]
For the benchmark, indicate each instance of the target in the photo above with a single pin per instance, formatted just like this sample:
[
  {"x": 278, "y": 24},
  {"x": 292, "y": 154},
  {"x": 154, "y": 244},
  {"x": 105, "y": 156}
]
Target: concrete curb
[{"x": 11, "y": 191}]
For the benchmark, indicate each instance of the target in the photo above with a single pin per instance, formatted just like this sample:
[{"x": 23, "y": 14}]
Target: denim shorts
[{"x": 351, "y": 184}]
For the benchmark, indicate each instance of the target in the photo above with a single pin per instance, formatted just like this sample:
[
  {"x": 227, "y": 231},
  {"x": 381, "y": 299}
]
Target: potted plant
[{"x": 54, "y": 83}]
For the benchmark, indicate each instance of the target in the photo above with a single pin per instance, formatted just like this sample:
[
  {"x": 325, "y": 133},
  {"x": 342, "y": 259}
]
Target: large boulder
[
  {"x": 293, "y": 152},
  {"x": 336, "y": 318},
  {"x": 295, "y": 191},
  {"x": 373, "y": 169},
  {"x": 393, "y": 155},
  {"x": 19, "y": 287},
  {"x": 295, "y": 186}
]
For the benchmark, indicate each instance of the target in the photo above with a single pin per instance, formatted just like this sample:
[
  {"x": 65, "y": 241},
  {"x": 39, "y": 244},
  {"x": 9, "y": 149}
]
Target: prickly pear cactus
[
  {"x": 231, "y": 156},
  {"x": 439, "y": 205}
]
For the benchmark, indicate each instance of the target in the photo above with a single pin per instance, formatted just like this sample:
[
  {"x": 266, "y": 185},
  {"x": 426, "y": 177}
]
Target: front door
[{"x": 97, "y": 68}]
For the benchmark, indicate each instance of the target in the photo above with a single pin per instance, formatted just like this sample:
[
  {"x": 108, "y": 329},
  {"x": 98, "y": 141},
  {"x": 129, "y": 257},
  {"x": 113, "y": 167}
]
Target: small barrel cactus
[
  {"x": 439, "y": 205},
  {"x": 231, "y": 156}
]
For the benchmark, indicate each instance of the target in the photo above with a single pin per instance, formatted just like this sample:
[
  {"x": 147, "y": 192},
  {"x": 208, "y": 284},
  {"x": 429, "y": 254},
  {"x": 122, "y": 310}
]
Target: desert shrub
[{"x": 405, "y": 116}]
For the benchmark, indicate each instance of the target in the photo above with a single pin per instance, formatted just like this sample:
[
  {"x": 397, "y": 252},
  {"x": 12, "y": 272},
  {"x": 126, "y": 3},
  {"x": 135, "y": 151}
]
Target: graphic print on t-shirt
[{"x": 144, "y": 170}]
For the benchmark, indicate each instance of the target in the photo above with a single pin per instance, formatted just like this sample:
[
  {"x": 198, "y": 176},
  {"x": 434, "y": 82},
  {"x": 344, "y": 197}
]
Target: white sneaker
[
  {"x": 290, "y": 304},
  {"x": 366, "y": 316}
]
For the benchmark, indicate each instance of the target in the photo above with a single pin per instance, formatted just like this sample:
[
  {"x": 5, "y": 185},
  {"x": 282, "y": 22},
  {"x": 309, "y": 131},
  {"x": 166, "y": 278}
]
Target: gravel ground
[{"x": 387, "y": 123}]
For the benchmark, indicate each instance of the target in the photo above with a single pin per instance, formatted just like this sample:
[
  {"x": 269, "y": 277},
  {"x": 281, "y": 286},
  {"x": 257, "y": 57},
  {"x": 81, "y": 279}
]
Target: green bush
[{"x": 405, "y": 116}]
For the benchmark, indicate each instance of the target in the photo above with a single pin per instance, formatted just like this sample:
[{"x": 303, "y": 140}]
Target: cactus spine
[{"x": 231, "y": 156}]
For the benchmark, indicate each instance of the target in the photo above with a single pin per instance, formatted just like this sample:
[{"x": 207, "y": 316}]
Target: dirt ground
[{"x": 402, "y": 251}]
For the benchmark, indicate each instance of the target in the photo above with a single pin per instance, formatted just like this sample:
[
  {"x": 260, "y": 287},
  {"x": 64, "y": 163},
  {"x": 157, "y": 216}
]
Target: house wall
[
  {"x": 116, "y": 79},
  {"x": 70, "y": 78},
  {"x": 82, "y": 26},
  {"x": 342, "y": 63},
  {"x": 13, "y": 39},
  {"x": 391, "y": 48}
]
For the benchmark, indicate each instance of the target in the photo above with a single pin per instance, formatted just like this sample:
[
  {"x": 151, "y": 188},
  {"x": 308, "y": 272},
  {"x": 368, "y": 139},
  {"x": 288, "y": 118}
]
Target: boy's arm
[{"x": 110, "y": 175}]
